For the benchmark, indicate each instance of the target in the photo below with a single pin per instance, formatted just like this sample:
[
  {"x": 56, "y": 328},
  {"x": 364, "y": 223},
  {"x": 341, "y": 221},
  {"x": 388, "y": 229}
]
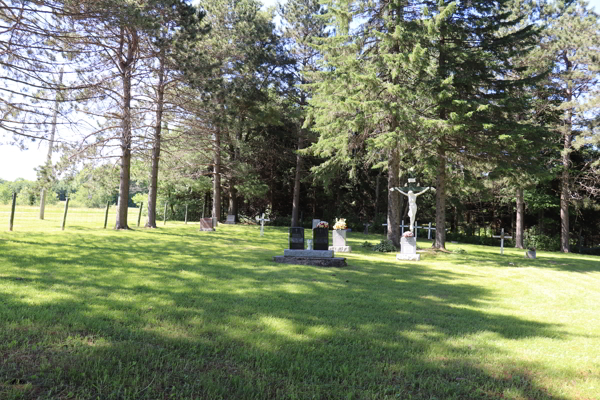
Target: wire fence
[{"x": 28, "y": 217}]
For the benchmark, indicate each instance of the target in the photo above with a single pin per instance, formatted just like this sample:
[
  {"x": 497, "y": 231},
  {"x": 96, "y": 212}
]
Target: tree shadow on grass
[
  {"x": 242, "y": 327},
  {"x": 516, "y": 258}
]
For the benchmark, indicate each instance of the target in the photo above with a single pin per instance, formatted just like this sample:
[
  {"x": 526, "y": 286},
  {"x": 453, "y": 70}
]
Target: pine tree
[{"x": 570, "y": 42}]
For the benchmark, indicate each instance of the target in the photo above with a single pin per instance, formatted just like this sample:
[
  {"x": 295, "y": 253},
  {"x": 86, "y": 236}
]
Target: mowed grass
[{"x": 88, "y": 313}]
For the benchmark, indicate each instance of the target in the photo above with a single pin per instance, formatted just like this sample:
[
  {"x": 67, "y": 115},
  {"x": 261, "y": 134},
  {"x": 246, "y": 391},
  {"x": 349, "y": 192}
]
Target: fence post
[
  {"x": 140, "y": 214},
  {"x": 12, "y": 211},
  {"x": 42, "y": 203},
  {"x": 106, "y": 214},
  {"x": 65, "y": 216},
  {"x": 165, "y": 216},
  {"x": 186, "y": 206}
]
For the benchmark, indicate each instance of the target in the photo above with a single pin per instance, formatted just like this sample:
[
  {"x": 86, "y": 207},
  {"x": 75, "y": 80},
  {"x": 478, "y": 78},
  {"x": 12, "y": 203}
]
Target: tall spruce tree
[
  {"x": 436, "y": 79},
  {"x": 571, "y": 43}
]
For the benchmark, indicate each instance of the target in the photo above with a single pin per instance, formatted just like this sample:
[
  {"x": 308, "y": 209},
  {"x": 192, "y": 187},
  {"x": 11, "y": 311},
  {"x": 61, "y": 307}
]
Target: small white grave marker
[
  {"x": 502, "y": 237},
  {"x": 402, "y": 226},
  {"x": 429, "y": 229},
  {"x": 262, "y": 220},
  {"x": 416, "y": 229}
]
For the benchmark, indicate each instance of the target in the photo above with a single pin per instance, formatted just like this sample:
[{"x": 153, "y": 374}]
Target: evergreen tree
[
  {"x": 302, "y": 24},
  {"x": 434, "y": 79},
  {"x": 570, "y": 43}
]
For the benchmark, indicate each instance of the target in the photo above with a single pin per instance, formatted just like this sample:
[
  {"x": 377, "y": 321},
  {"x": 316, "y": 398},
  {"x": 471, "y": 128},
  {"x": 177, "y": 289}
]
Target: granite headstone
[
  {"x": 296, "y": 238},
  {"x": 321, "y": 238}
]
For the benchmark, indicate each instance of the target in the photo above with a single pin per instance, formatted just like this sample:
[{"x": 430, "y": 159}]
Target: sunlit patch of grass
[{"x": 178, "y": 313}]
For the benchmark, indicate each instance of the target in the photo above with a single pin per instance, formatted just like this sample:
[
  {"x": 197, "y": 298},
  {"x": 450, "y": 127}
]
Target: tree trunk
[
  {"x": 377, "y": 188},
  {"x": 216, "y": 210},
  {"x": 153, "y": 189},
  {"x": 126, "y": 68},
  {"x": 520, "y": 224},
  {"x": 564, "y": 193},
  {"x": 296, "y": 196},
  {"x": 232, "y": 208},
  {"x": 393, "y": 219},
  {"x": 440, "y": 203}
]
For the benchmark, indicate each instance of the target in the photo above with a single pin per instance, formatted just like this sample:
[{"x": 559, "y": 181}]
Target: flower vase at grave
[{"x": 321, "y": 238}]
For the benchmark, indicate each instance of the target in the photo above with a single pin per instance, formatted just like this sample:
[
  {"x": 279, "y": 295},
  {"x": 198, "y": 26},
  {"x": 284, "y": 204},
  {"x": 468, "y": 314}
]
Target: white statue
[{"x": 412, "y": 204}]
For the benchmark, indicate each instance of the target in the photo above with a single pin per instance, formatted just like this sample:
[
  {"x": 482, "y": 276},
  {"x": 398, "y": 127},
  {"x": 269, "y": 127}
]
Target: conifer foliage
[{"x": 435, "y": 76}]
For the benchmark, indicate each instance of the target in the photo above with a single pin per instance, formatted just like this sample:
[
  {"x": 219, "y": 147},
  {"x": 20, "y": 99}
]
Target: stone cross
[
  {"x": 367, "y": 225},
  {"x": 502, "y": 237},
  {"x": 262, "y": 220}
]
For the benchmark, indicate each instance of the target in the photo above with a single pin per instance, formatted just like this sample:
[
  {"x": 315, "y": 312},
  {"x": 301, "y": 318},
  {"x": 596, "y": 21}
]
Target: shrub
[
  {"x": 539, "y": 241},
  {"x": 385, "y": 246}
]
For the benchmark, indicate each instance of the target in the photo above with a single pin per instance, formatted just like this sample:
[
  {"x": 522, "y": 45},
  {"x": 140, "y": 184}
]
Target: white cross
[
  {"x": 262, "y": 220},
  {"x": 502, "y": 237},
  {"x": 402, "y": 226},
  {"x": 416, "y": 228},
  {"x": 429, "y": 229}
]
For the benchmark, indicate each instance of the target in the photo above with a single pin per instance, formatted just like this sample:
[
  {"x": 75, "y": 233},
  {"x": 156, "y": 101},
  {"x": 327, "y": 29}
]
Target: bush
[
  {"x": 385, "y": 246},
  {"x": 534, "y": 239},
  {"x": 483, "y": 240},
  {"x": 592, "y": 251}
]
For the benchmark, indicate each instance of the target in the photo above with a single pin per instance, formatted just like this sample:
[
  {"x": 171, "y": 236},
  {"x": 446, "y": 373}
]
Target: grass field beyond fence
[
  {"x": 175, "y": 313},
  {"x": 28, "y": 217}
]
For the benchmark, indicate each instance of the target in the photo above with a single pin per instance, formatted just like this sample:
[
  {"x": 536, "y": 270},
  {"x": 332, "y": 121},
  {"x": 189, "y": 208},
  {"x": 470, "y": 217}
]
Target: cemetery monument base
[
  {"x": 408, "y": 250},
  {"x": 296, "y": 254},
  {"x": 339, "y": 242}
]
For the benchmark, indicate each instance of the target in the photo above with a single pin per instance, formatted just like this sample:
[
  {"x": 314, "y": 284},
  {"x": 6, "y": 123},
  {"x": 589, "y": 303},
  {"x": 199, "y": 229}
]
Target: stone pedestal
[
  {"x": 408, "y": 250},
  {"x": 321, "y": 258},
  {"x": 339, "y": 241},
  {"x": 308, "y": 253}
]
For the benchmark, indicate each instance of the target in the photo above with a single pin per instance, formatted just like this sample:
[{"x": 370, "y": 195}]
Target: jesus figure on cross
[{"x": 412, "y": 204}]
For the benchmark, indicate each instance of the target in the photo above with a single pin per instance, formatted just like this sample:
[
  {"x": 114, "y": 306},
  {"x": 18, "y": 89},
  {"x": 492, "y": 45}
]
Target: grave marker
[
  {"x": 429, "y": 229},
  {"x": 262, "y": 223},
  {"x": 502, "y": 237},
  {"x": 296, "y": 238},
  {"x": 321, "y": 238},
  {"x": 206, "y": 224}
]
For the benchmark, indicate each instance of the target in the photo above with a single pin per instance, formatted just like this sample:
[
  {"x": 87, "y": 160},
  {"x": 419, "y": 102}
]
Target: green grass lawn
[{"x": 88, "y": 313}]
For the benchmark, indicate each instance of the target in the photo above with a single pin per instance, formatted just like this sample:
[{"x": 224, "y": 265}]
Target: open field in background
[
  {"x": 28, "y": 217},
  {"x": 177, "y": 313}
]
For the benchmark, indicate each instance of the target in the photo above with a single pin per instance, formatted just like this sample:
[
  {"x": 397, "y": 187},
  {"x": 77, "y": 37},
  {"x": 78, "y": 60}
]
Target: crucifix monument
[{"x": 409, "y": 191}]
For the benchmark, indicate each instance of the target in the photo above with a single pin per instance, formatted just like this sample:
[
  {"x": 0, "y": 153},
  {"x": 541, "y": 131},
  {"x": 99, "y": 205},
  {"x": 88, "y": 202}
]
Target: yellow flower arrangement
[{"x": 340, "y": 224}]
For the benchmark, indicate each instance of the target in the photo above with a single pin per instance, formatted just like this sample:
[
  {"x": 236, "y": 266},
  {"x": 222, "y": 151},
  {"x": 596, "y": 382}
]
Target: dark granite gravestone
[
  {"x": 321, "y": 238},
  {"x": 206, "y": 224},
  {"x": 296, "y": 237}
]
